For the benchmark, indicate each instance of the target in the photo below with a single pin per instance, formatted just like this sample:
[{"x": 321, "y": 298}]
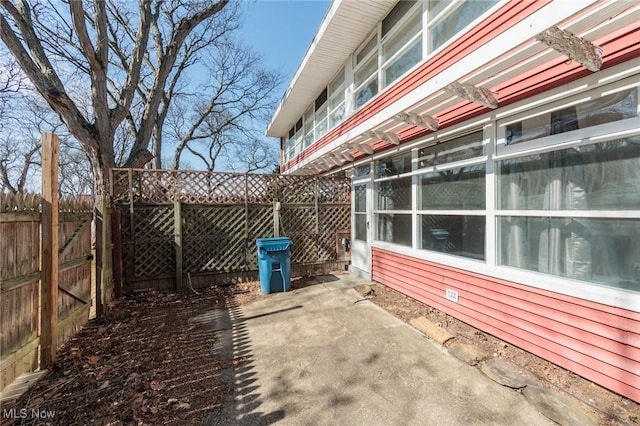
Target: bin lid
[{"x": 274, "y": 243}]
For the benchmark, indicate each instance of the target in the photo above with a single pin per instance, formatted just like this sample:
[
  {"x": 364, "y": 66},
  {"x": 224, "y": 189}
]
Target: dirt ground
[
  {"x": 148, "y": 363},
  {"x": 611, "y": 408}
]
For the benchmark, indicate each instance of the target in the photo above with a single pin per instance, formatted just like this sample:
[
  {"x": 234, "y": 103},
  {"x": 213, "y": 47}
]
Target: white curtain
[{"x": 565, "y": 248}]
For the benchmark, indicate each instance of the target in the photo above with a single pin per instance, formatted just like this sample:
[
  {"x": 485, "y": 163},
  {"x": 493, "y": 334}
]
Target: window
[
  {"x": 362, "y": 171},
  {"x": 366, "y": 81},
  {"x": 396, "y": 15},
  {"x": 321, "y": 122},
  {"x": 448, "y": 18},
  {"x": 605, "y": 109},
  {"x": 308, "y": 128},
  {"x": 393, "y": 208},
  {"x": 560, "y": 203},
  {"x": 360, "y": 211},
  {"x": 336, "y": 100},
  {"x": 452, "y": 200},
  {"x": 403, "y": 48},
  {"x": 294, "y": 144},
  {"x": 565, "y": 212}
]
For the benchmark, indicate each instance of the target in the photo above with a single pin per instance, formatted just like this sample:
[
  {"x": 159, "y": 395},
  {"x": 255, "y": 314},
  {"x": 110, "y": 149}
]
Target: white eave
[{"x": 344, "y": 27}]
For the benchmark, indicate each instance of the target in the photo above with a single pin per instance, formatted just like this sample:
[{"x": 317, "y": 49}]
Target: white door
[{"x": 361, "y": 227}]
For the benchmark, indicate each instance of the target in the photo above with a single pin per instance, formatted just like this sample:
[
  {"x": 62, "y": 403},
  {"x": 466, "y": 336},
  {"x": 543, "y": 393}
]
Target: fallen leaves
[
  {"x": 156, "y": 386},
  {"x": 138, "y": 364}
]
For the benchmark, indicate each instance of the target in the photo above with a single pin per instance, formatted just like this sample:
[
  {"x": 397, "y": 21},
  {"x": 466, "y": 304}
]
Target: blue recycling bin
[{"x": 274, "y": 264}]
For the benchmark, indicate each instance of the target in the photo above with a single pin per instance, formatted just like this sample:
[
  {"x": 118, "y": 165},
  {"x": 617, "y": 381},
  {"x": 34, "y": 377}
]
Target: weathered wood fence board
[
  {"x": 19, "y": 285},
  {"x": 220, "y": 217},
  {"x": 20, "y": 275},
  {"x": 42, "y": 304}
]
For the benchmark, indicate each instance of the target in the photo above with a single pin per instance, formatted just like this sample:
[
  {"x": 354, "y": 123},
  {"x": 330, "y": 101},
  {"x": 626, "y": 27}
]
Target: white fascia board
[
  {"x": 524, "y": 31},
  {"x": 328, "y": 17}
]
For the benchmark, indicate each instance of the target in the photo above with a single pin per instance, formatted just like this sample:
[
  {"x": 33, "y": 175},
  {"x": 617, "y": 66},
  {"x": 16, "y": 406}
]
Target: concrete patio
[{"x": 324, "y": 355}]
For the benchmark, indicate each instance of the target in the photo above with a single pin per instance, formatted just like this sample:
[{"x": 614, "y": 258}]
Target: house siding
[
  {"x": 596, "y": 341},
  {"x": 618, "y": 47}
]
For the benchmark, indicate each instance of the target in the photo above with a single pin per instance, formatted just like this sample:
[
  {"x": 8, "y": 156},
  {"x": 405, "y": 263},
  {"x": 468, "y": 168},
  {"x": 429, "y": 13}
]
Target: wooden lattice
[
  {"x": 213, "y": 239},
  {"x": 260, "y": 224},
  {"x": 153, "y": 241},
  {"x": 450, "y": 194},
  {"x": 331, "y": 220},
  {"x": 334, "y": 190},
  {"x": 261, "y": 189},
  {"x": 222, "y": 215},
  {"x": 299, "y": 224},
  {"x": 296, "y": 189}
]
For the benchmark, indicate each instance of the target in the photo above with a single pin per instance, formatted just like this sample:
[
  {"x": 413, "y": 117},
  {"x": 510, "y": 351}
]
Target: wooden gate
[{"x": 175, "y": 225}]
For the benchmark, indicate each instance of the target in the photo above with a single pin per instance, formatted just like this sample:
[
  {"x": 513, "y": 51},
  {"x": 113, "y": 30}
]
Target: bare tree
[
  {"x": 12, "y": 81},
  {"x": 220, "y": 117},
  {"x": 49, "y": 43},
  {"x": 26, "y": 118},
  {"x": 17, "y": 161}
]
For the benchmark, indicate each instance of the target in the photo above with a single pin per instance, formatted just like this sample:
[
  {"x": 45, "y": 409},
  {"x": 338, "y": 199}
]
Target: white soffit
[{"x": 343, "y": 29}]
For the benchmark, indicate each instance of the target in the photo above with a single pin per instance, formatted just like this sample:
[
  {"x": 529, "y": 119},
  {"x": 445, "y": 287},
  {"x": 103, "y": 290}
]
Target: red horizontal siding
[{"x": 596, "y": 341}]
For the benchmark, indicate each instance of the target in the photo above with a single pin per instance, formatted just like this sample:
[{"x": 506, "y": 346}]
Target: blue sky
[{"x": 282, "y": 30}]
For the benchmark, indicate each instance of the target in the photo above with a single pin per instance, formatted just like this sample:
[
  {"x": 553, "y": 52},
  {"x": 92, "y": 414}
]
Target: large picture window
[{"x": 569, "y": 210}]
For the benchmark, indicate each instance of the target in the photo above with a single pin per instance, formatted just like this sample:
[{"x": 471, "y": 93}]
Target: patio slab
[{"x": 323, "y": 354}]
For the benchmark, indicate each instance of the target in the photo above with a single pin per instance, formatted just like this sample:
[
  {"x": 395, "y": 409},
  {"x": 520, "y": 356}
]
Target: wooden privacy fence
[
  {"x": 175, "y": 225},
  {"x": 22, "y": 279}
]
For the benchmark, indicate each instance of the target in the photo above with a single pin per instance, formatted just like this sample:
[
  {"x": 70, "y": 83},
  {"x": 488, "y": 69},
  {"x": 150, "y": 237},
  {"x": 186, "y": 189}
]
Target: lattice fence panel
[
  {"x": 296, "y": 189},
  {"x": 334, "y": 190},
  {"x": 299, "y": 224},
  {"x": 261, "y": 189},
  {"x": 260, "y": 226},
  {"x": 223, "y": 214},
  {"x": 154, "y": 242},
  {"x": 120, "y": 186},
  {"x": 189, "y": 187},
  {"x": 213, "y": 239},
  {"x": 448, "y": 195},
  {"x": 127, "y": 242},
  {"x": 332, "y": 220}
]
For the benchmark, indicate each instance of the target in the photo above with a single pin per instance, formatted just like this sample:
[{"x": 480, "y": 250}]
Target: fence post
[
  {"x": 317, "y": 210},
  {"x": 116, "y": 229},
  {"x": 246, "y": 219},
  {"x": 49, "y": 286},
  {"x": 276, "y": 208},
  {"x": 177, "y": 233}
]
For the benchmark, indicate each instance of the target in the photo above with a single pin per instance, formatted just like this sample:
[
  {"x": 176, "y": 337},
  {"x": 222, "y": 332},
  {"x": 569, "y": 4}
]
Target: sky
[{"x": 281, "y": 31}]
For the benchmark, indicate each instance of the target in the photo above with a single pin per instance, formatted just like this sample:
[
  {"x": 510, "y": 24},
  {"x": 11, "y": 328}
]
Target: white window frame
[
  {"x": 585, "y": 136},
  {"x": 434, "y": 20},
  {"x": 493, "y": 124},
  {"x": 334, "y": 94},
  {"x": 358, "y": 65},
  {"x": 398, "y": 27}
]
